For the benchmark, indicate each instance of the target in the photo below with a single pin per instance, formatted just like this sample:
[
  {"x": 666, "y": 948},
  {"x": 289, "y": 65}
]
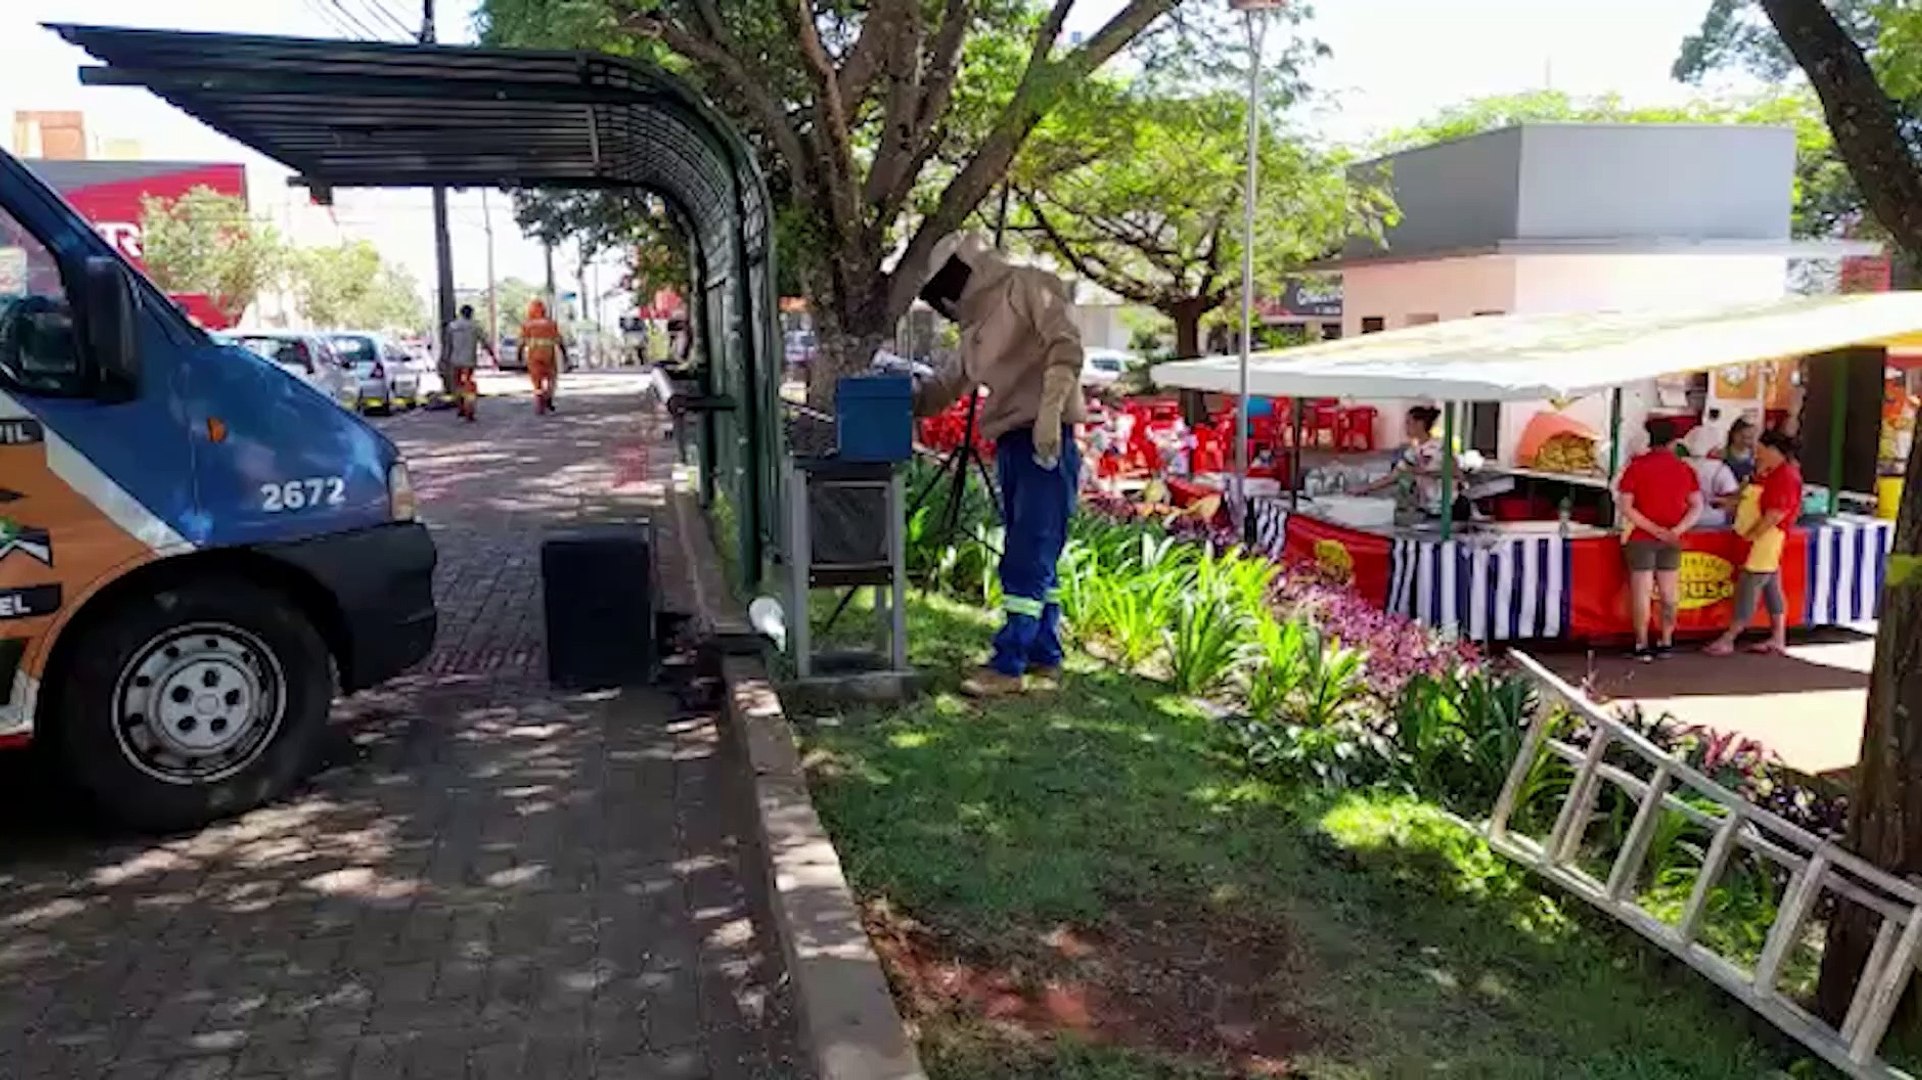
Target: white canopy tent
[
  {"x": 1560, "y": 356},
  {"x": 1557, "y": 357}
]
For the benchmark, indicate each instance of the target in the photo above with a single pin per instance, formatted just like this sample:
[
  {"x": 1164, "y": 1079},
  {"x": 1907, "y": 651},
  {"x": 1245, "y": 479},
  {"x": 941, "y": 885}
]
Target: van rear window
[{"x": 355, "y": 350}]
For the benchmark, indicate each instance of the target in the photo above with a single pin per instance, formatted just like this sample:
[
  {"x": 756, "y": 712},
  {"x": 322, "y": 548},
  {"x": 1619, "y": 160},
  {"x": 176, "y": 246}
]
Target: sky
[{"x": 1393, "y": 62}]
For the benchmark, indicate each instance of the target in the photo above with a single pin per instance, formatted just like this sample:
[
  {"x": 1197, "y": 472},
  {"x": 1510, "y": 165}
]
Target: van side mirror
[{"x": 112, "y": 342}]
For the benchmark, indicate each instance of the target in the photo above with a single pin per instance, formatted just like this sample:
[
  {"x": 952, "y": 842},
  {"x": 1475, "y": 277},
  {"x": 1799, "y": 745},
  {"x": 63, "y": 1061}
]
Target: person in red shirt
[
  {"x": 1770, "y": 504},
  {"x": 1660, "y": 500}
]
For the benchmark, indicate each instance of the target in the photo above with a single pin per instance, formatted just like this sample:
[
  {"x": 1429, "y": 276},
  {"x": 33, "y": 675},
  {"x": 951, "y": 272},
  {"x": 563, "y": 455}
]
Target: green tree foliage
[
  {"x": 349, "y": 286},
  {"x": 1826, "y": 202},
  {"x": 205, "y": 243},
  {"x": 640, "y": 225},
  {"x": 1141, "y": 193},
  {"x": 1736, "y": 36},
  {"x": 882, "y": 124},
  {"x": 512, "y": 296}
]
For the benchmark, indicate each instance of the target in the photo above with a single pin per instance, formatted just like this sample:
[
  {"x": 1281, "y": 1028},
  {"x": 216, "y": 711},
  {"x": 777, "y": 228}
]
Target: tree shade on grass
[{"x": 1394, "y": 943}]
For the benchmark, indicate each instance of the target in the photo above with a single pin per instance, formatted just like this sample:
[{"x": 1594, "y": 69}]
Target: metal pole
[
  {"x": 1614, "y": 447},
  {"x": 1448, "y": 471},
  {"x": 553, "y": 298},
  {"x": 1838, "y": 417},
  {"x": 493, "y": 297},
  {"x": 1614, "y": 434},
  {"x": 443, "y": 243},
  {"x": 1256, "y": 28}
]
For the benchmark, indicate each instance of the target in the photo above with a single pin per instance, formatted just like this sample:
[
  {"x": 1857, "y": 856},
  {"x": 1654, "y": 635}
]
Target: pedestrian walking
[
  {"x": 461, "y": 343},
  {"x": 542, "y": 351}
]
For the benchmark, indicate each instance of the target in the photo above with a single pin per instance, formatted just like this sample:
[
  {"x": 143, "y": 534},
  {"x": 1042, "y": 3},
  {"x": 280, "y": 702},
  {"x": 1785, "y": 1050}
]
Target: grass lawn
[{"x": 1086, "y": 886}]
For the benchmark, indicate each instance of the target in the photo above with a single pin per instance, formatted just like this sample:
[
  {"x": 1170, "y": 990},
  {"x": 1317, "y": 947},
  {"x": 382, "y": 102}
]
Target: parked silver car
[
  {"x": 386, "y": 378},
  {"x": 308, "y": 357}
]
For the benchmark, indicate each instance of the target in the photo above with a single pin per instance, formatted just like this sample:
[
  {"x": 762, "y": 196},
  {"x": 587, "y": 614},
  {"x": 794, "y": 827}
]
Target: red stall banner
[
  {"x": 1711, "y": 563},
  {"x": 1354, "y": 558}
]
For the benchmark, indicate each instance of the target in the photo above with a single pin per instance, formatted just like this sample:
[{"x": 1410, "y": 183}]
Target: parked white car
[
  {"x": 1105, "y": 367},
  {"x": 386, "y": 378},
  {"x": 307, "y": 357}
]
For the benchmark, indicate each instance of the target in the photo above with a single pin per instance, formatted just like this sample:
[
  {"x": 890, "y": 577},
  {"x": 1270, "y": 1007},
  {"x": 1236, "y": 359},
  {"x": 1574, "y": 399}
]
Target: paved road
[
  {"x": 1807, "y": 707},
  {"x": 486, "y": 879}
]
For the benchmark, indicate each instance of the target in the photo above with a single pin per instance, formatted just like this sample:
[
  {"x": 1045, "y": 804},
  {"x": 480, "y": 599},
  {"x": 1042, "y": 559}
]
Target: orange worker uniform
[{"x": 540, "y": 344}]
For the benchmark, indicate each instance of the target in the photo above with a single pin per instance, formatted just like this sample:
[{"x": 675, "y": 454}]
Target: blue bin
[{"x": 874, "y": 417}]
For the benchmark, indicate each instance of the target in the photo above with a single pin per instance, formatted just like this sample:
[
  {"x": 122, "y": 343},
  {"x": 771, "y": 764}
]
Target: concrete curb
[{"x": 848, "y": 1025}]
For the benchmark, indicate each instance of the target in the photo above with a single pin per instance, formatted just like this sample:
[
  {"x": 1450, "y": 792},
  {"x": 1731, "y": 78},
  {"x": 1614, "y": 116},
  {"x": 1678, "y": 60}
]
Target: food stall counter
[{"x": 1519, "y": 581}]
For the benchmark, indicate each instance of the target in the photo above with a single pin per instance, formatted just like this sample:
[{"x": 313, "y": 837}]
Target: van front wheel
[{"x": 194, "y": 703}]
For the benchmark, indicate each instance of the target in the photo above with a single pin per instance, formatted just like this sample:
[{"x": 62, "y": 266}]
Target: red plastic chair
[
  {"x": 1323, "y": 417},
  {"x": 1355, "y": 428},
  {"x": 1207, "y": 455}
]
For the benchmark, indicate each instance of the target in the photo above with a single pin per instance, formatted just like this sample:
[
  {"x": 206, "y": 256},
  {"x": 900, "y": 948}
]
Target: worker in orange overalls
[{"x": 542, "y": 350}]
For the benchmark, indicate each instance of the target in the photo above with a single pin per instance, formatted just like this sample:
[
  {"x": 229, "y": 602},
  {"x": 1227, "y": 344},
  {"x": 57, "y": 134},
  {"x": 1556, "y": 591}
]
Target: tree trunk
[
  {"x": 1885, "y": 803},
  {"x": 847, "y": 332},
  {"x": 1187, "y": 318},
  {"x": 1885, "y": 806}
]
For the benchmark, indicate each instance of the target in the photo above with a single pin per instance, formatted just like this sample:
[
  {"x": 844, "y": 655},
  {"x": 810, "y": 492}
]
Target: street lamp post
[{"x": 1252, "y": 12}]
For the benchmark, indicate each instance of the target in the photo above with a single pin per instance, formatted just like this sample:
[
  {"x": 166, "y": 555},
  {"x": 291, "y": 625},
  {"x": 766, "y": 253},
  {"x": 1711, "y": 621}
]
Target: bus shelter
[{"x": 378, "y": 114}]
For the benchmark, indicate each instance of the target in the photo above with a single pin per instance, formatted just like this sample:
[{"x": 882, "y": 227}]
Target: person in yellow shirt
[
  {"x": 542, "y": 350},
  {"x": 1769, "y": 505}
]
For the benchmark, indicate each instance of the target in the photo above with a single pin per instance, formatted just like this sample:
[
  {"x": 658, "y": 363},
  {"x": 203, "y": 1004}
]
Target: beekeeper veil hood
[{"x": 949, "y": 266}]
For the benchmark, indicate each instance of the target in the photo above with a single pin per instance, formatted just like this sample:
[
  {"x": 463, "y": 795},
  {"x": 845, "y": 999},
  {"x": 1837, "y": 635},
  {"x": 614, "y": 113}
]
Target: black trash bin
[{"x": 600, "y": 594}]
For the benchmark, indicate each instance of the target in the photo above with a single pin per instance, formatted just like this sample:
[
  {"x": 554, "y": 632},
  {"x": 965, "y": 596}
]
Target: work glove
[{"x": 1056, "y": 385}]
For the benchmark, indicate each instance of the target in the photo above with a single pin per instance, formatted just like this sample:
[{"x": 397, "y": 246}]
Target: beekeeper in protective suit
[{"x": 1019, "y": 342}]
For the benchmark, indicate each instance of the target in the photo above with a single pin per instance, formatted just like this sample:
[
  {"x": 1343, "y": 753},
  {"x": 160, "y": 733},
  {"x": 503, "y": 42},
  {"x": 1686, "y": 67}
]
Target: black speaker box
[{"x": 600, "y": 593}]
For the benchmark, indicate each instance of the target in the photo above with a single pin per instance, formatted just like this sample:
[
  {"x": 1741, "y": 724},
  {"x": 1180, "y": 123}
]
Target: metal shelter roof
[{"x": 382, "y": 114}]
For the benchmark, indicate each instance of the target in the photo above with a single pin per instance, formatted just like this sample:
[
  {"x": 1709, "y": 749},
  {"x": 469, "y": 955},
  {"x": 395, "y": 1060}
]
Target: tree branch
[
  {"x": 1041, "y": 86},
  {"x": 897, "y": 140},
  {"x": 1865, "y": 123},
  {"x": 832, "y": 129},
  {"x": 766, "y": 113},
  {"x": 1092, "y": 267},
  {"x": 863, "y": 62}
]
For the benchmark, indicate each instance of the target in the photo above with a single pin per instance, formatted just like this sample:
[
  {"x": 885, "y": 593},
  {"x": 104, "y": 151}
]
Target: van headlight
[{"x": 402, "y": 503}]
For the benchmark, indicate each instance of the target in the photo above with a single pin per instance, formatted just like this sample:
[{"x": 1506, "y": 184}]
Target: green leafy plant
[
  {"x": 1280, "y": 662},
  {"x": 1334, "y": 686},
  {"x": 1131, "y": 614},
  {"x": 1207, "y": 641},
  {"x": 1457, "y": 733}
]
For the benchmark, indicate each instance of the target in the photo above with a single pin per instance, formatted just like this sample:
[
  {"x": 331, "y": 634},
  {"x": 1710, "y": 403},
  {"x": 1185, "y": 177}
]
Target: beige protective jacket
[{"x": 1017, "y": 323}]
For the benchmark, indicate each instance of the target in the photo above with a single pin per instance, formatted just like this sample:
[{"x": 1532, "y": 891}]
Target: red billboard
[{"x": 109, "y": 194}]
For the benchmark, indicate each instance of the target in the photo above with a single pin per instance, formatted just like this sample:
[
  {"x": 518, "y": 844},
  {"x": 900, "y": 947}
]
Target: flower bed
[{"x": 1312, "y": 680}]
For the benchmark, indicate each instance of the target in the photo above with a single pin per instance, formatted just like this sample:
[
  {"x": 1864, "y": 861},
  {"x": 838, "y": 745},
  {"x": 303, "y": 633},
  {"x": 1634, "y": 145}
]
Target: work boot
[
  {"x": 987, "y": 684},
  {"x": 1045, "y": 678}
]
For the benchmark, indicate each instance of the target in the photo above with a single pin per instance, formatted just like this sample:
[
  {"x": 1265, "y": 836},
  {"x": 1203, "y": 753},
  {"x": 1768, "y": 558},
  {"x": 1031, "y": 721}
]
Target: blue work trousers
[{"x": 1035, "y": 506}]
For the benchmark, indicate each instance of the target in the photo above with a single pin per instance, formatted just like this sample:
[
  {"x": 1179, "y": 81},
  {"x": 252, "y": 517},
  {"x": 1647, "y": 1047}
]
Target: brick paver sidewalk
[{"x": 488, "y": 879}]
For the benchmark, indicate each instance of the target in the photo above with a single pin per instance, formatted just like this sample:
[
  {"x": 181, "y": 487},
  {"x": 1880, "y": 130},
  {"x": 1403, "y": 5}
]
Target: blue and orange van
[{"x": 198, "y": 552}]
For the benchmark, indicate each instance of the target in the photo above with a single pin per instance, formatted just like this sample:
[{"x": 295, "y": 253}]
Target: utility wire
[
  {"x": 359, "y": 27},
  {"x": 380, "y": 13},
  {"x": 328, "y": 16}
]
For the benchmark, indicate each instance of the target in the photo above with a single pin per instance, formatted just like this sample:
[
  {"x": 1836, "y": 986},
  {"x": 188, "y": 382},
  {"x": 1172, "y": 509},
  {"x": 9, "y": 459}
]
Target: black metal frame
[{"x": 385, "y": 114}]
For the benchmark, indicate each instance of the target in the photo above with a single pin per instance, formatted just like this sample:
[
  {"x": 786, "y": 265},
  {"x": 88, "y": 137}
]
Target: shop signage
[
  {"x": 1333, "y": 559},
  {"x": 112, "y": 194},
  {"x": 1705, "y": 580},
  {"x": 1305, "y": 300}
]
